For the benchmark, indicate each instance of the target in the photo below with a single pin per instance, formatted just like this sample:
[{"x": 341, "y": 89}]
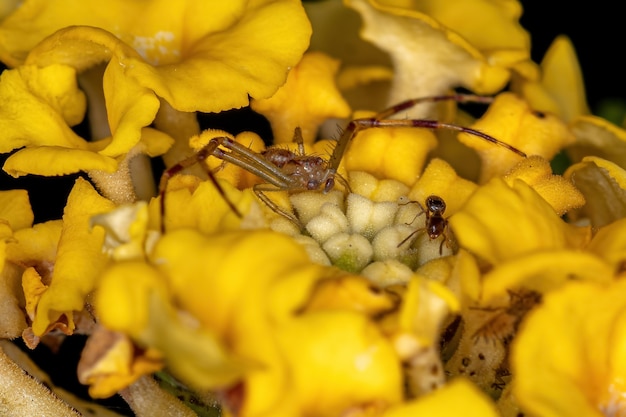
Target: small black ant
[{"x": 435, "y": 224}]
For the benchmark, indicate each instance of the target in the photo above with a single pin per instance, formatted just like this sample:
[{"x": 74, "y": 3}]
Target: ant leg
[
  {"x": 444, "y": 240},
  {"x": 406, "y": 239},
  {"x": 198, "y": 157},
  {"x": 260, "y": 190}
]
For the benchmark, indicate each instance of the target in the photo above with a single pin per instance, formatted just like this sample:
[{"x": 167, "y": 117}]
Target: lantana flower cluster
[{"x": 437, "y": 265}]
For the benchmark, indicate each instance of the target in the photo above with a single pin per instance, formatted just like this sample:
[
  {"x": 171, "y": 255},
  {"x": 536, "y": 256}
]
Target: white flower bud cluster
[{"x": 365, "y": 232}]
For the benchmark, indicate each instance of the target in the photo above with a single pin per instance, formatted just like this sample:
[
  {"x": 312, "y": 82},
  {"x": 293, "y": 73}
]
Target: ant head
[{"x": 435, "y": 204}]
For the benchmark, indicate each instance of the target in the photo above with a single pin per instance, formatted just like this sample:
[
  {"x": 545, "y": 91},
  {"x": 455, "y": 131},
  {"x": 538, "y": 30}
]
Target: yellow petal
[
  {"x": 364, "y": 368},
  {"x": 510, "y": 120},
  {"x": 456, "y": 398},
  {"x": 110, "y": 362},
  {"x": 189, "y": 39},
  {"x": 418, "y": 42},
  {"x": 38, "y": 107},
  {"x": 440, "y": 179},
  {"x": 269, "y": 37},
  {"x": 192, "y": 203},
  {"x": 609, "y": 243},
  {"x": 351, "y": 292},
  {"x": 130, "y": 107},
  {"x": 563, "y": 78},
  {"x": 603, "y": 184},
  {"x": 545, "y": 271},
  {"x": 493, "y": 28},
  {"x": 195, "y": 263},
  {"x": 79, "y": 258},
  {"x": 15, "y": 209},
  {"x": 12, "y": 307},
  {"x": 126, "y": 230},
  {"x": 33, "y": 288},
  {"x": 585, "y": 373},
  {"x": 559, "y": 192},
  {"x": 56, "y": 160},
  {"x": 560, "y": 88},
  {"x": 307, "y": 99},
  {"x": 393, "y": 153},
  {"x": 496, "y": 212},
  {"x": 36, "y": 246},
  {"x": 426, "y": 305},
  {"x": 133, "y": 298},
  {"x": 598, "y": 137}
]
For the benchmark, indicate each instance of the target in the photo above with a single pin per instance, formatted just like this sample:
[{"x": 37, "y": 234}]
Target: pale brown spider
[{"x": 282, "y": 169}]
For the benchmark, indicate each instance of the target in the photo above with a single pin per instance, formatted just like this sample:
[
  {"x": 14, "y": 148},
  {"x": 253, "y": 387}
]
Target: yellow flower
[
  {"x": 197, "y": 297},
  {"x": 190, "y": 202},
  {"x": 598, "y": 137},
  {"x": 557, "y": 190},
  {"x": 545, "y": 251},
  {"x": 79, "y": 261},
  {"x": 390, "y": 153},
  {"x": 110, "y": 362},
  {"x": 557, "y": 87},
  {"x": 583, "y": 374},
  {"x": 15, "y": 215},
  {"x": 511, "y": 120},
  {"x": 39, "y": 107},
  {"x": 184, "y": 49},
  {"x": 164, "y": 56},
  {"x": 435, "y": 48},
  {"x": 307, "y": 99}
]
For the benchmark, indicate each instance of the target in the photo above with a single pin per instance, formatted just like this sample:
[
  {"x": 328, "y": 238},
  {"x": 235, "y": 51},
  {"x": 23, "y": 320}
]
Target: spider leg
[
  {"x": 261, "y": 189},
  {"x": 381, "y": 120},
  {"x": 297, "y": 138},
  {"x": 252, "y": 162},
  {"x": 407, "y": 104},
  {"x": 434, "y": 124},
  {"x": 198, "y": 157}
]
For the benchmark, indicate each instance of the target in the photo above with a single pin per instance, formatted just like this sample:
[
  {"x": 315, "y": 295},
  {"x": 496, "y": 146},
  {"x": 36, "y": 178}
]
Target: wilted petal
[
  {"x": 430, "y": 58},
  {"x": 110, "y": 362},
  {"x": 603, "y": 184},
  {"x": 79, "y": 259},
  {"x": 598, "y": 137}
]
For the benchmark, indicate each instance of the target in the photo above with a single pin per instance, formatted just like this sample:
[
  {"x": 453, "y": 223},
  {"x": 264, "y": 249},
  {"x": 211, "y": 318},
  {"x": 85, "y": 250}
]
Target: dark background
[{"x": 597, "y": 30}]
